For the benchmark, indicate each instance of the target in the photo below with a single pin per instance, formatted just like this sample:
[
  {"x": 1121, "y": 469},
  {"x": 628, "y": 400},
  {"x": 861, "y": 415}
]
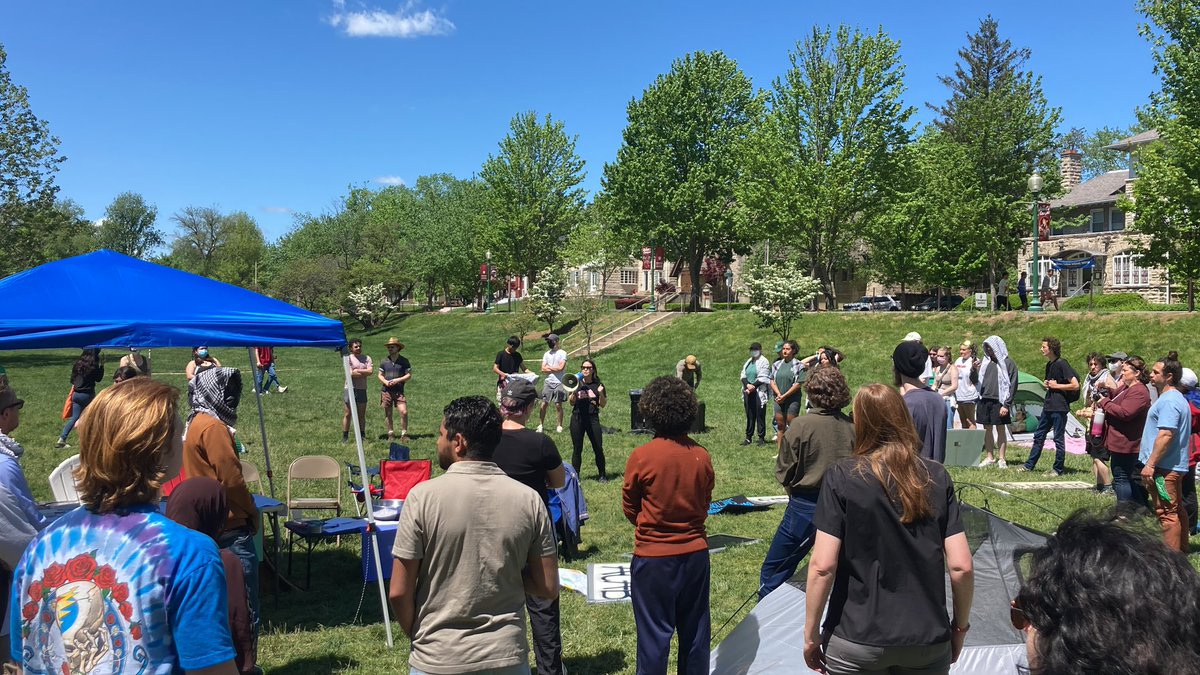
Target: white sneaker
[
  {"x": 1002, "y": 464},
  {"x": 539, "y": 429},
  {"x": 558, "y": 430},
  {"x": 281, "y": 389},
  {"x": 403, "y": 434},
  {"x": 987, "y": 462},
  {"x": 775, "y": 438}
]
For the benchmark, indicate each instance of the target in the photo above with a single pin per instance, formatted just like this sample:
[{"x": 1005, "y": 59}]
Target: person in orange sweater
[
  {"x": 209, "y": 451},
  {"x": 668, "y": 486}
]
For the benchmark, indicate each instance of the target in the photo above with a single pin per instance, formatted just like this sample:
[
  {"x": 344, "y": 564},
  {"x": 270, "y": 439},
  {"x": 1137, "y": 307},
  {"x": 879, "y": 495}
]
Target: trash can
[
  {"x": 698, "y": 424},
  {"x": 636, "y": 423}
]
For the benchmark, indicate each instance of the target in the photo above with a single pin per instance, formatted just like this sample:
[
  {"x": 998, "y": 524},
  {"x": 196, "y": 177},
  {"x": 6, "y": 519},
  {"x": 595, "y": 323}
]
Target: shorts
[
  {"x": 387, "y": 399},
  {"x": 987, "y": 412},
  {"x": 792, "y": 407},
  {"x": 553, "y": 392},
  {"x": 360, "y": 396},
  {"x": 1096, "y": 449}
]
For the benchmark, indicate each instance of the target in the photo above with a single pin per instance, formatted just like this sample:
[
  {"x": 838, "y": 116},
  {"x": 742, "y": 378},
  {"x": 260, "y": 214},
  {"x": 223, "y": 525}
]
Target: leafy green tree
[
  {"x": 599, "y": 246},
  {"x": 548, "y": 293},
  {"x": 672, "y": 184},
  {"x": 242, "y": 253},
  {"x": 824, "y": 165},
  {"x": 129, "y": 226},
  {"x": 1097, "y": 160},
  {"x": 201, "y": 234},
  {"x": 533, "y": 193},
  {"x": 448, "y": 244},
  {"x": 999, "y": 114},
  {"x": 779, "y": 295}
]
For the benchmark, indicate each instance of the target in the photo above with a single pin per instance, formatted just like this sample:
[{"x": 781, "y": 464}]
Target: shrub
[{"x": 1112, "y": 302}]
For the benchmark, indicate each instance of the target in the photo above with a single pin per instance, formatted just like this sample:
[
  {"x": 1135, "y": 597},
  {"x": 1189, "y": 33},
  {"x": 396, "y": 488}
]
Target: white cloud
[
  {"x": 405, "y": 22},
  {"x": 390, "y": 180},
  {"x": 278, "y": 209}
]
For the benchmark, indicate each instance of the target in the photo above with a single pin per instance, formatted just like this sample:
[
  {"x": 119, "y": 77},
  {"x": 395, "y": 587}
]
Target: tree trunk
[
  {"x": 1191, "y": 286},
  {"x": 694, "y": 273}
]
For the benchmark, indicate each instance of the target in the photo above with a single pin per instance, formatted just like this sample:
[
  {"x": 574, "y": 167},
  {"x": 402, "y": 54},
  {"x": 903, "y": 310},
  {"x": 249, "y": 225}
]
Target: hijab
[
  {"x": 1001, "y": 352},
  {"x": 200, "y": 504},
  {"x": 216, "y": 392}
]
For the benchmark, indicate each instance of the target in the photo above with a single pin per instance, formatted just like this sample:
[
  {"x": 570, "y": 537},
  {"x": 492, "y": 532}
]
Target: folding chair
[
  {"x": 315, "y": 468},
  {"x": 353, "y": 474},
  {"x": 62, "y": 480},
  {"x": 401, "y": 476},
  {"x": 250, "y": 475}
]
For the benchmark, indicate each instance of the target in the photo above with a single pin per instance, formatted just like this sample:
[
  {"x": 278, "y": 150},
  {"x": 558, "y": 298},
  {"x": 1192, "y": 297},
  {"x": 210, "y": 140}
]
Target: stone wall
[{"x": 1104, "y": 246}]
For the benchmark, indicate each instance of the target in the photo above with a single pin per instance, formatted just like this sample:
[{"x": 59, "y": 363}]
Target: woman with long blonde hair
[{"x": 887, "y": 526}]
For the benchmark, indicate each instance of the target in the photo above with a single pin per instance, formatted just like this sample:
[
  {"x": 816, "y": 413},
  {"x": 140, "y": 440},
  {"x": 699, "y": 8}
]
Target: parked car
[
  {"x": 932, "y": 303},
  {"x": 873, "y": 303}
]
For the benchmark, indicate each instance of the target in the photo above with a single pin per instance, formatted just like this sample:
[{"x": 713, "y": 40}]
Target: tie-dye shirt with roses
[{"x": 115, "y": 593}]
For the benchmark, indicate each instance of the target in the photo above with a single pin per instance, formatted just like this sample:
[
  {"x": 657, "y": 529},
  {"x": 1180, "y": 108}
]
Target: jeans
[
  {"x": 671, "y": 593},
  {"x": 1056, "y": 420},
  {"x": 241, "y": 542},
  {"x": 589, "y": 424},
  {"x": 268, "y": 374},
  {"x": 756, "y": 413},
  {"x": 79, "y": 401},
  {"x": 793, "y": 540},
  {"x": 1127, "y": 484}
]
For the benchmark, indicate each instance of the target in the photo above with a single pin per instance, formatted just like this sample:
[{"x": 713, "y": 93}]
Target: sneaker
[
  {"x": 1023, "y": 469},
  {"x": 391, "y": 435},
  {"x": 264, "y": 392},
  {"x": 60, "y": 444},
  {"x": 281, "y": 389},
  {"x": 558, "y": 429},
  {"x": 602, "y": 479},
  {"x": 987, "y": 462},
  {"x": 403, "y": 434},
  {"x": 762, "y": 441},
  {"x": 775, "y": 438},
  {"x": 747, "y": 442},
  {"x": 539, "y": 429},
  {"x": 345, "y": 440},
  {"x": 1002, "y": 464},
  {"x": 1107, "y": 489},
  {"x": 1054, "y": 474}
]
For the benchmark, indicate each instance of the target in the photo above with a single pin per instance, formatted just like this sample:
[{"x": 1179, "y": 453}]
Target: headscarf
[
  {"x": 210, "y": 393},
  {"x": 1001, "y": 352},
  {"x": 200, "y": 504}
]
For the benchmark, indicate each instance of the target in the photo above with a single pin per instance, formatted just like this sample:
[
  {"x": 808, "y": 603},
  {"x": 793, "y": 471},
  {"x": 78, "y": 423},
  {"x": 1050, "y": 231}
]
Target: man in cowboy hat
[{"x": 394, "y": 371}]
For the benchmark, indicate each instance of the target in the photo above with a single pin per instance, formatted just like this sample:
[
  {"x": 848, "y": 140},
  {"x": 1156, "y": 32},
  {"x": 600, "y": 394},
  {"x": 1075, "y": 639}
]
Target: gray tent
[{"x": 771, "y": 638}]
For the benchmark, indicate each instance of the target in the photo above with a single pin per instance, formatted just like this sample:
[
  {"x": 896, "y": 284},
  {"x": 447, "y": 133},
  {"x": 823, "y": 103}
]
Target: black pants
[
  {"x": 544, "y": 620},
  {"x": 756, "y": 413},
  {"x": 589, "y": 424},
  {"x": 669, "y": 595},
  {"x": 1188, "y": 495}
]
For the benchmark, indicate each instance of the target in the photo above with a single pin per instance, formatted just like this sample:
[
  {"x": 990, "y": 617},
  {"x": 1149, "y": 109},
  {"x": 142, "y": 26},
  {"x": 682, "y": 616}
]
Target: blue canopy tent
[{"x": 106, "y": 299}]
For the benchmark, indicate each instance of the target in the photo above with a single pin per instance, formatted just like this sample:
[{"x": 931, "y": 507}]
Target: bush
[
  {"x": 1112, "y": 302},
  {"x": 632, "y": 302}
]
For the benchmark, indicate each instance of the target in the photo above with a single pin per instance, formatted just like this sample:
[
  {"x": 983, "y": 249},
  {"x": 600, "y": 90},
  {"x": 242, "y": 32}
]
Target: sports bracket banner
[{"x": 609, "y": 582}]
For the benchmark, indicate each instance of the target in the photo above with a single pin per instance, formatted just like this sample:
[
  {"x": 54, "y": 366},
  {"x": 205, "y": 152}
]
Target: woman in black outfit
[
  {"x": 86, "y": 372},
  {"x": 587, "y": 401}
]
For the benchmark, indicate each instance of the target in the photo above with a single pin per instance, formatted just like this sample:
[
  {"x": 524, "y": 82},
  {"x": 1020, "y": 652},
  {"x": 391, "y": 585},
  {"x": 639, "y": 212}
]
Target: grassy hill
[{"x": 316, "y": 632}]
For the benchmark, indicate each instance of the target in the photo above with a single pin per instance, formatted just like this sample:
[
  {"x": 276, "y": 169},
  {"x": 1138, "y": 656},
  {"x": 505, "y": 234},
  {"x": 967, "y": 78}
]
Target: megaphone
[{"x": 571, "y": 383}]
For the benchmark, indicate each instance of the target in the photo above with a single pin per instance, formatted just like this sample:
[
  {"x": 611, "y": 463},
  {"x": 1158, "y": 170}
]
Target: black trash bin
[{"x": 636, "y": 423}]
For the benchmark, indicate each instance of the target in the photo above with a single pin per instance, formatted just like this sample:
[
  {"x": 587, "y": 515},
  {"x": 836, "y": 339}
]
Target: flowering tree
[
  {"x": 548, "y": 293},
  {"x": 778, "y": 294},
  {"x": 369, "y": 305}
]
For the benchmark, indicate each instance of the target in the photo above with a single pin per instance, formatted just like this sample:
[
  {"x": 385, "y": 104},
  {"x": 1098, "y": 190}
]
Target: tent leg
[
  {"x": 262, "y": 424},
  {"x": 362, "y": 467}
]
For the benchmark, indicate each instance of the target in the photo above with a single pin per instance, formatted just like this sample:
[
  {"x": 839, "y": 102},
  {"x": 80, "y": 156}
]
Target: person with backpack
[{"x": 1062, "y": 389}]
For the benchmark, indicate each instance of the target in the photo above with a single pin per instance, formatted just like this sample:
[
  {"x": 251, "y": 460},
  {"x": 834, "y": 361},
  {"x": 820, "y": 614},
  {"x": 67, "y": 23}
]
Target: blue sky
[{"x": 274, "y": 108}]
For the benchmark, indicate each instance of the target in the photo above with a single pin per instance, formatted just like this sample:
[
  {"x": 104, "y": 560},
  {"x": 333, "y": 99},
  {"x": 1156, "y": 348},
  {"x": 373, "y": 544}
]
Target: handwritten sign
[{"x": 609, "y": 582}]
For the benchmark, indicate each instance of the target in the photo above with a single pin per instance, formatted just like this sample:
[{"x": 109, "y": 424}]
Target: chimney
[{"x": 1072, "y": 169}]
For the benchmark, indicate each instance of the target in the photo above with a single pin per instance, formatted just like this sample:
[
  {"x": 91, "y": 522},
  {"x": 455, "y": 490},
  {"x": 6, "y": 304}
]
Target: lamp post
[
  {"x": 728, "y": 289},
  {"x": 1035, "y": 186},
  {"x": 487, "y": 301}
]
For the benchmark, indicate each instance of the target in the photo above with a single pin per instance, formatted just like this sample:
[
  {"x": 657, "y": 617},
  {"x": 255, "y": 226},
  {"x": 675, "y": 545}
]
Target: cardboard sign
[{"x": 609, "y": 582}]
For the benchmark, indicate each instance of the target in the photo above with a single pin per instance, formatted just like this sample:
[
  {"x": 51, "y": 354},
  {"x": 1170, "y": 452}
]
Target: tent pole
[
  {"x": 371, "y": 529},
  {"x": 262, "y": 425}
]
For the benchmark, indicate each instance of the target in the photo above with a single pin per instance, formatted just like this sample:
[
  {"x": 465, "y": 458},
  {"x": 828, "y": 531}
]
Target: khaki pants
[{"x": 1171, "y": 515}]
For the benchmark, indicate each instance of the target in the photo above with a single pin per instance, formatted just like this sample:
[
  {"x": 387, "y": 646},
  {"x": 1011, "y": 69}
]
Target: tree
[
  {"x": 1097, "y": 160},
  {"x": 547, "y": 295},
  {"x": 447, "y": 245},
  {"x": 672, "y": 184},
  {"x": 533, "y": 193},
  {"x": 589, "y": 308},
  {"x": 779, "y": 294},
  {"x": 128, "y": 226},
  {"x": 202, "y": 232},
  {"x": 369, "y": 305},
  {"x": 1000, "y": 116},
  {"x": 824, "y": 164},
  {"x": 599, "y": 246},
  {"x": 28, "y": 161},
  {"x": 242, "y": 252}
]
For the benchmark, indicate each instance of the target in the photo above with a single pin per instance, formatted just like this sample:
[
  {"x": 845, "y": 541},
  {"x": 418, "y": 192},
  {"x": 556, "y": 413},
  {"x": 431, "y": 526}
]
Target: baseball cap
[
  {"x": 553, "y": 337},
  {"x": 1118, "y": 356},
  {"x": 520, "y": 390},
  {"x": 1188, "y": 379},
  {"x": 8, "y": 398},
  {"x": 914, "y": 336},
  {"x": 690, "y": 362}
]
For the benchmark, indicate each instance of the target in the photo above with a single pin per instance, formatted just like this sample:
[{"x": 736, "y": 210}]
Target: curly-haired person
[
  {"x": 668, "y": 485},
  {"x": 1104, "y": 599}
]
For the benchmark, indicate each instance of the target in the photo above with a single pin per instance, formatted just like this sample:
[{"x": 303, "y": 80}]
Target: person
[
  {"x": 1102, "y": 597},
  {"x": 1050, "y": 289},
  {"x": 1187, "y": 386},
  {"x": 125, "y": 373},
  {"x": 785, "y": 384},
  {"x": 87, "y": 371},
  {"x": 264, "y": 363},
  {"x": 394, "y": 371},
  {"x": 927, "y": 371},
  {"x": 887, "y": 503},
  {"x": 688, "y": 370},
  {"x": 945, "y": 382},
  {"x": 1125, "y": 412},
  {"x": 20, "y": 519},
  {"x": 554, "y": 362},
  {"x": 114, "y": 586},
  {"x": 532, "y": 458},
  {"x": 668, "y": 486},
  {"x": 463, "y": 567},
  {"x": 1096, "y": 384},
  {"x": 966, "y": 395},
  {"x": 811, "y": 444},
  {"x": 771, "y": 393},
  {"x": 1164, "y": 452},
  {"x": 1002, "y": 293},
  {"x": 586, "y": 402},
  {"x": 1062, "y": 387},
  {"x": 210, "y": 450},
  {"x": 756, "y": 378},
  {"x": 361, "y": 368},
  {"x": 1023, "y": 290},
  {"x": 997, "y": 383},
  {"x": 199, "y": 504},
  {"x": 201, "y": 361},
  {"x": 137, "y": 360},
  {"x": 926, "y": 408},
  {"x": 508, "y": 362}
]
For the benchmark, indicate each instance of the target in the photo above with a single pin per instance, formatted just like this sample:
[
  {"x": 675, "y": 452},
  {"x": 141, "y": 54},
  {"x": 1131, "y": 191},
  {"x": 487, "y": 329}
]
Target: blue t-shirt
[
  {"x": 133, "y": 592},
  {"x": 1170, "y": 411}
]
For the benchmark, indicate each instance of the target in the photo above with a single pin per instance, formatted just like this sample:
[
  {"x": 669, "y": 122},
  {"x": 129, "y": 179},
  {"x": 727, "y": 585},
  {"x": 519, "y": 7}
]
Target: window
[
  {"x": 1127, "y": 271},
  {"x": 1043, "y": 269},
  {"x": 1116, "y": 219},
  {"x": 573, "y": 278},
  {"x": 628, "y": 277},
  {"x": 593, "y": 280},
  {"x": 1099, "y": 223}
]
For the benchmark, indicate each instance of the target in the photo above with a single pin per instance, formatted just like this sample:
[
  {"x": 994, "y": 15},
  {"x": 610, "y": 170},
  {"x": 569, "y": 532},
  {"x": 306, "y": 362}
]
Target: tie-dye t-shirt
[{"x": 132, "y": 592}]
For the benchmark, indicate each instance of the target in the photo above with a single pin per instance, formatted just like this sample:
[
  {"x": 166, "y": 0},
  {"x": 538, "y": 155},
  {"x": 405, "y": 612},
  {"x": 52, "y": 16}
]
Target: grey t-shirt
[
  {"x": 470, "y": 599},
  {"x": 929, "y": 415}
]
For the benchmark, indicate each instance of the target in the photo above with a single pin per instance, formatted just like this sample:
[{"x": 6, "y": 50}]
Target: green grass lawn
[{"x": 337, "y": 627}]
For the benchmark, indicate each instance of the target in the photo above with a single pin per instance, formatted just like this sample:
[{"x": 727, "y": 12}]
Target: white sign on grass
[
  {"x": 609, "y": 582},
  {"x": 981, "y": 301}
]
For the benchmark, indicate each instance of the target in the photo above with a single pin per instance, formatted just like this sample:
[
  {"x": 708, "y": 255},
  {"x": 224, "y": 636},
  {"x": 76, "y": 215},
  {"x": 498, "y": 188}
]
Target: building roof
[
  {"x": 1127, "y": 144},
  {"x": 1102, "y": 190}
]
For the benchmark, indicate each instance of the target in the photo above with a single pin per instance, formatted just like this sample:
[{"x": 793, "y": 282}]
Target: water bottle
[{"x": 1098, "y": 422}]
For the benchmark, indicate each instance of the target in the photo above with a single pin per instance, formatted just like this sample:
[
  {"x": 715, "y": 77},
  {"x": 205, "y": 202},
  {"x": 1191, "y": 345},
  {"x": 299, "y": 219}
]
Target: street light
[
  {"x": 487, "y": 301},
  {"x": 1035, "y": 186}
]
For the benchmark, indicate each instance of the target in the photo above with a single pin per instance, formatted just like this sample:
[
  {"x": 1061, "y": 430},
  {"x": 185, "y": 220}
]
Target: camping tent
[
  {"x": 771, "y": 637},
  {"x": 106, "y": 299},
  {"x": 1031, "y": 396}
]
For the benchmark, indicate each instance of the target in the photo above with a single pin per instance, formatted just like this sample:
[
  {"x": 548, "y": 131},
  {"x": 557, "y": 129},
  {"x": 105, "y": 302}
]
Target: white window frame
[
  {"x": 1127, "y": 273},
  {"x": 573, "y": 278},
  {"x": 628, "y": 277},
  {"x": 1044, "y": 265}
]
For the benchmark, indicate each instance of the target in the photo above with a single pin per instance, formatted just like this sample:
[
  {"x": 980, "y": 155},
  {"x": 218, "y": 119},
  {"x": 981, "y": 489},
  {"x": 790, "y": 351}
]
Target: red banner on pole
[
  {"x": 647, "y": 252},
  {"x": 483, "y": 272},
  {"x": 658, "y": 258},
  {"x": 1043, "y": 221}
]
